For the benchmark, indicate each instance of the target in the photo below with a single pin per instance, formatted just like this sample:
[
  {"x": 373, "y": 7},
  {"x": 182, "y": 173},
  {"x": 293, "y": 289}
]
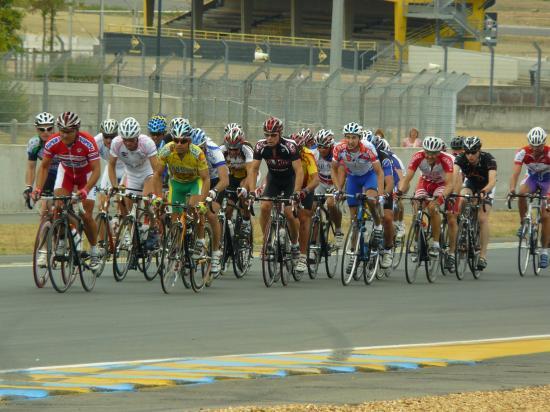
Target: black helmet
[
  {"x": 457, "y": 143},
  {"x": 472, "y": 143}
]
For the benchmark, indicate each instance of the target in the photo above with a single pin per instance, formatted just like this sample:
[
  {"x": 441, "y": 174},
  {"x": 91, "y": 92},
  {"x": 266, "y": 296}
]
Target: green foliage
[
  {"x": 10, "y": 23},
  {"x": 14, "y": 103},
  {"x": 80, "y": 69}
]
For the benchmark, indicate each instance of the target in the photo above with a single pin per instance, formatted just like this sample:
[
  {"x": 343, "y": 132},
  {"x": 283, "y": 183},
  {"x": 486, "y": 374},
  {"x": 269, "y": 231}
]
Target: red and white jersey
[
  {"x": 356, "y": 163},
  {"x": 436, "y": 173},
  {"x": 324, "y": 166},
  {"x": 75, "y": 158},
  {"x": 136, "y": 161},
  {"x": 539, "y": 165}
]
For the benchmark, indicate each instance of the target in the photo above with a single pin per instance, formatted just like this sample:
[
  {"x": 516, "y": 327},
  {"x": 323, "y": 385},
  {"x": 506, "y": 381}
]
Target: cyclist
[
  {"x": 358, "y": 167},
  {"x": 108, "y": 130},
  {"x": 457, "y": 145},
  {"x": 479, "y": 170},
  {"x": 285, "y": 175},
  {"x": 138, "y": 153},
  {"x": 536, "y": 157},
  {"x": 310, "y": 182},
  {"x": 44, "y": 123},
  {"x": 436, "y": 180},
  {"x": 175, "y": 121},
  {"x": 309, "y": 139},
  {"x": 239, "y": 156},
  {"x": 219, "y": 180},
  {"x": 157, "y": 130},
  {"x": 78, "y": 168},
  {"x": 325, "y": 144}
]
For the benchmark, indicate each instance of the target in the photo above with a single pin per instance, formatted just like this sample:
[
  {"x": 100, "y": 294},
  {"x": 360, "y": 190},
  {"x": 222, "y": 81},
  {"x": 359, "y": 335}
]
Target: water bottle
[
  {"x": 77, "y": 239},
  {"x": 143, "y": 232}
]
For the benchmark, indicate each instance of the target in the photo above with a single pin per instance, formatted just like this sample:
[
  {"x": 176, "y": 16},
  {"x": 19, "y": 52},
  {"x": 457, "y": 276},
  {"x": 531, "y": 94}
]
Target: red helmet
[
  {"x": 273, "y": 125},
  {"x": 234, "y": 138},
  {"x": 305, "y": 137},
  {"x": 68, "y": 120}
]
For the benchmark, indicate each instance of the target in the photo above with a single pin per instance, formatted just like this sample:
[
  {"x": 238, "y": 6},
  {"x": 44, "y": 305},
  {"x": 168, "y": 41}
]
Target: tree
[
  {"x": 47, "y": 8},
  {"x": 13, "y": 99},
  {"x": 10, "y": 23}
]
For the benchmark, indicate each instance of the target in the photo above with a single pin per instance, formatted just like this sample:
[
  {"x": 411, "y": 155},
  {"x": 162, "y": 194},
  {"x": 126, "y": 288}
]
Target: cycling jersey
[
  {"x": 186, "y": 169},
  {"x": 477, "y": 174},
  {"x": 309, "y": 166},
  {"x": 75, "y": 158},
  {"x": 535, "y": 166},
  {"x": 35, "y": 151},
  {"x": 214, "y": 158},
  {"x": 356, "y": 163},
  {"x": 437, "y": 172},
  {"x": 136, "y": 161},
  {"x": 278, "y": 158},
  {"x": 324, "y": 167},
  {"x": 237, "y": 163},
  {"x": 105, "y": 152},
  {"x": 397, "y": 164}
]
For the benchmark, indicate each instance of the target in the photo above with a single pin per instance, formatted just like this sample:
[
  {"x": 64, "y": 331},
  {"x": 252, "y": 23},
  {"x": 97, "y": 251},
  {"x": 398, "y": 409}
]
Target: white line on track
[{"x": 405, "y": 345}]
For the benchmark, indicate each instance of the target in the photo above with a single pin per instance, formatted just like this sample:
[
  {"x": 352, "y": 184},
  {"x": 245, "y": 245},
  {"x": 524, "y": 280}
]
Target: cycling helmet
[
  {"x": 129, "y": 128},
  {"x": 324, "y": 138},
  {"x": 457, "y": 143},
  {"x": 109, "y": 127},
  {"x": 181, "y": 130},
  {"x": 176, "y": 120},
  {"x": 383, "y": 145},
  {"x": 307, "y": 136},
  {"x": 68, "y": 120},
  {"x": 198, "y": 137},
  {"x": 230, "y": 126},
  {"x": 432, "y": 144},
  {"x": 273, "y": 125},
  {"x": 352, "y": 128},
  {"x": 234, "y": 138},
  {"x": 536, "y": 136},
  {"x": 472, "y": 143},
  {"x": 157, "y": 124},
  {"x": 44, "y": 118},
  {"x": 367, "y": 135}
]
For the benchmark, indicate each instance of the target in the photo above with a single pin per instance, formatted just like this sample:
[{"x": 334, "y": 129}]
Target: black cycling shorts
[{"x": 277, "y": 185}]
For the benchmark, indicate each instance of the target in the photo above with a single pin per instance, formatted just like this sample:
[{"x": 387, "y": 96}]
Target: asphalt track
[{"x": 134, "y": 320}]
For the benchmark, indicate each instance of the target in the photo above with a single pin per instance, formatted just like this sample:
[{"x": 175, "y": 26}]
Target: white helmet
[
  {"x": 432, "y": 144},
  {"x": 109, "y": 127},
  {"x": 353, "y": 128},
  {"x": 175, "y": 121},
  {"x": 536, "y": 136},
  {"x": 230, "y": 126},
  {"x": 44, "y": 118},
  {"x": 129, "y": 128}
]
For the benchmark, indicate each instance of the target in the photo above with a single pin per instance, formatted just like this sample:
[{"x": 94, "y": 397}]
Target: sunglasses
[
  {"x": 109, "y": 136},
  {"x": 470, "y": 152},
  {"x": 157, "y": 134},
  {"x": 132, "y": 140},
  {"x": 181, "y": 141},
  {"x": 45, "y": 129},
  {"x": 67, "y": 130},
  {"x": 271, "y": 134},
  {"x": 431, "y": 153}
]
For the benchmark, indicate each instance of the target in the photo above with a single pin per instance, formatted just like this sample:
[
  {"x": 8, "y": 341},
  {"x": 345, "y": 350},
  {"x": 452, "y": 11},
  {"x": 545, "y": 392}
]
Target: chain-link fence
[{"x": 221, "y": 92}]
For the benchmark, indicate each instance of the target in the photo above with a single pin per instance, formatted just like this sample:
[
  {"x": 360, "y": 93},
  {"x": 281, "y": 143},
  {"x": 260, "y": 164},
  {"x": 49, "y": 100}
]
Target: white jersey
[
  {"x": 137, "y": 161},
  {"x": 104, "y": 153},
  {"x": 214, "y": 158},
  {"x": 324, "y": 166}
]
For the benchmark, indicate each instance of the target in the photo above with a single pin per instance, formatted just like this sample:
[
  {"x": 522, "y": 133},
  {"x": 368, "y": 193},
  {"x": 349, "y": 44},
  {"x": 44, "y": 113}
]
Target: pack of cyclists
[{"x": 182, "y": 164}]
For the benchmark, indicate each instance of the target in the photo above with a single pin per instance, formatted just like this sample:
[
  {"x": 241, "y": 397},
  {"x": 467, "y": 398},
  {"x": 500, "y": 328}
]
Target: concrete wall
[
  {"x": 503, "y": 95},
  {"x": 509, "y": 118},
  {"x": 13, "y": 162}
]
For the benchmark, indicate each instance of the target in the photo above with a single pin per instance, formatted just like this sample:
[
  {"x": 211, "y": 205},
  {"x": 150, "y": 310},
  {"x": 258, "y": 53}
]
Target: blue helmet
[
  {"x": 157, "y": 124},
  {"x": 198, "y": 137}
]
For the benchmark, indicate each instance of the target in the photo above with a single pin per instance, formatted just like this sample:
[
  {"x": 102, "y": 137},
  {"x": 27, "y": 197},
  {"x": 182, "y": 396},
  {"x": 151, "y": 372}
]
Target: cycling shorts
[
  {"x": 177, "y": 191},
  {"x": 277, "y": 185},
  {"x": 468, "y": 184},
  {"x": 426, "y": 188},
  {"x": 49, "y": 184},
  {"x": 324, "y": 188},
  {"x": 535, "y": 182},
  {"x": 72, "y": 183},
  {"x": 307, "y": 203},
  {"x": 135, "y": 181},
  {"x": 359, "y": 184}
]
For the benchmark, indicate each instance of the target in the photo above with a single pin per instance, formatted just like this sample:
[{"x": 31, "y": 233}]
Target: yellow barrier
[{"x": 239, "y": 37}]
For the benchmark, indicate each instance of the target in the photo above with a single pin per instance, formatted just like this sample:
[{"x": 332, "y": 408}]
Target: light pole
[{"x": 159, "y": 20}]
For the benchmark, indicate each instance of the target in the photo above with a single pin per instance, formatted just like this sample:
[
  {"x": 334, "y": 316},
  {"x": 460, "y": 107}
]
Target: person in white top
[{"x": 108, "y": 131}]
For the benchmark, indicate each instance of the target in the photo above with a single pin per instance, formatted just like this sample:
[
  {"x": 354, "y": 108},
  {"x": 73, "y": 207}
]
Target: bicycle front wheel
[
  {"x": 270, "y": 255},
  {"x": 102, "y": 241},
  {"x": 61, "y": 259},
  {"x": 535, "y": 248},
  {"x": 314, "y": 246},
  {"x": 200, "y": 276},
  {"x": 243, "y": 249},
  {"x": 412, "y": 253},
  {"x": 286, "y": 264},
  {"x": 372, "y": 266},
  {"x": 475, "y": 250},
  {"x": 172, "y": 260},
  {"x": 124, "y": 248},
  {"x": 330, "y": 249},
  {"x": 524, "y": 248},
  {"x": 40, "y": 255},
  {"x": 350, "y": 257},
  {"x": 462, "y": 249}
]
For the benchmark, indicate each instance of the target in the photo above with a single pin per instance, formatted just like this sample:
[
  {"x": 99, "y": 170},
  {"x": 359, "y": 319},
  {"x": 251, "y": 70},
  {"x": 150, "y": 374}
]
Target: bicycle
[
  {"x": 322, "y": 240},
  {"x": 130, "y": 250},
  {"x": 40, "y": 271},
  {"x": 64, "y": 247},
  {"x": 277, "y": 260},
  {"x": 468, "y": 245},
  {"x": 359, "y": 247},
  {"x": 529, "y": 242},
  {"x": 416, "y": 250},
  {"x": 106, "y": 229}
]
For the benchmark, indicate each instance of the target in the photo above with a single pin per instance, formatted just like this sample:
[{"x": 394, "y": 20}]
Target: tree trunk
[
  {"x": 44, "y": 34},
  {"x": 52, "y": 28}
]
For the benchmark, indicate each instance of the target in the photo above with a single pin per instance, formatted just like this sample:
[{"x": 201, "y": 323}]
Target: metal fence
[{"x": 223, "y": 91}]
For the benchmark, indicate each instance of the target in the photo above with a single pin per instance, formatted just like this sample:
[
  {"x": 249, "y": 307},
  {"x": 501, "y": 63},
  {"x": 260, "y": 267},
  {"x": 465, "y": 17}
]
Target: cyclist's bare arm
[
  {"x": 516, "y": 170},
  {"x": 297, "y": 166},
  {"x": 203, "y": 174},
  {"x": 252, "y": 177},
  {"x": 112, "y": 170},
  {"x": 492, "y": 181},
  {"x": 223, "y": 175},
  {"x": 96, "y": 173},
  {"x": 457, "y": 179},
  {"x": 313, "y": 182},
  {"x": 156, "y": 165},
  {"x": 249, "y": 173},
  {"x": 43, "y": 172},
  {"x": 30, "y": 175},
  {"x": 157, "y": 175},
  {"x": 406, "y": 182},
  {"x": 338, "y": 175},
  {"x": 449, "y": 183}
]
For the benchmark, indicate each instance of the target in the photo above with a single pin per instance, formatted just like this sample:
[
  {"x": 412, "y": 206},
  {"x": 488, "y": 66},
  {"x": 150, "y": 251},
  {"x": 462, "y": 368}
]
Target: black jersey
[
  {"x": 477, "y": 174},
  {"x": 279, "y": 158}
]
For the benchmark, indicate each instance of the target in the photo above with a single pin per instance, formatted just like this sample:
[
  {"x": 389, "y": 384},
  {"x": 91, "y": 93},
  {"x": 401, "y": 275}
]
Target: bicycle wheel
[
  {"x": 149, "y": 260},
  {"x": 270, "y": 255},
  {"x": 329, "y": 248},
  {"x": 286, "y": 263},
  {"x": 243, "y": 248},
  {"x": 535, "y": 248},
  {"x": 461, "y": 249},
  {"x": 172, "y": 261},
  {"x": 372, "y": 265},
  {"x": 474, "y": 251},
  {"x": 102, "y": 241},
  {"x": 39, "y": 270},
  {"x": 61, "y": 256},
  {"x": 350, "y": 257},
  {"x": 123, "y": 257},
  {"x": 87, "y": 277},
  {"x": 444, "y": 244},
  {"x": 314, "y": 246},
  {"x": 413, "y": 252},
  {"x": 524, "y": 248},
  {"x": 398, "y": 248}
]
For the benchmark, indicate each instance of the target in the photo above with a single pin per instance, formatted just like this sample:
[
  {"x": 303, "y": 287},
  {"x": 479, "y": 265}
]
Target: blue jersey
[{"x": 397, "y": 164}]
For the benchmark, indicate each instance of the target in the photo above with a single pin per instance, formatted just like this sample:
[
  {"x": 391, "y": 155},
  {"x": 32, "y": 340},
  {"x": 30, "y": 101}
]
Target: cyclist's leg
[
  {"x": 434, "y": 190},
  {"x": 483, "y": 220},
  {"x": 304, "y": 217},
  {"x": 370, "y": 187},
  {"x": 287, "y": 188},
  {"x": 545, "y": 225},
  {"x": 90, "y": 225},
  {"x": 528, "y": 185},
  {"x": 265, "y": 206}
]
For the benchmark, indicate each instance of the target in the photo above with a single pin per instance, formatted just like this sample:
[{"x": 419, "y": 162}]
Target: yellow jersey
[
  {"x": 186, "y": 169},
  {"x": 309, "y": 165}
]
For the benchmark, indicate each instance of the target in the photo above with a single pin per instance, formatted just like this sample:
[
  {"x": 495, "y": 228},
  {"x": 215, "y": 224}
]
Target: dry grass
[{"x": 497, "y": 140}]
